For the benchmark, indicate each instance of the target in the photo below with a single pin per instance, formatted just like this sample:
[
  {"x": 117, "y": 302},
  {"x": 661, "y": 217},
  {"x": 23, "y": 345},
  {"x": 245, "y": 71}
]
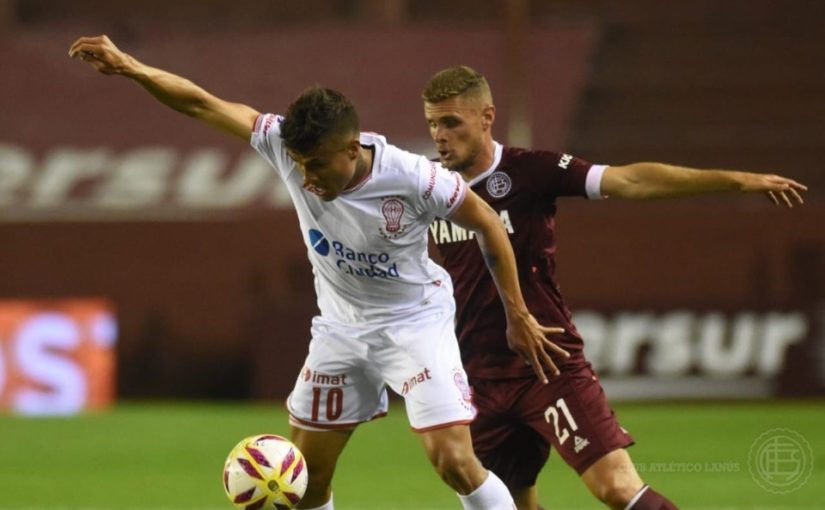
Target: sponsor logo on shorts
[
  {"x": 415, "y": 380},
  {"x": 499, "y": 184},
  {"x": 579, "y": 443},
  {"x": 326, "y": 379}
]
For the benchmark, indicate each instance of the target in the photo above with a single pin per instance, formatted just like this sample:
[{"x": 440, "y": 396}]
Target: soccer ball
[{"x": 265, "y": 472}]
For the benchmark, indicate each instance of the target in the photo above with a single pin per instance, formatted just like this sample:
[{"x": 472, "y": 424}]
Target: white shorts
[{"x": 345, "y": 375}]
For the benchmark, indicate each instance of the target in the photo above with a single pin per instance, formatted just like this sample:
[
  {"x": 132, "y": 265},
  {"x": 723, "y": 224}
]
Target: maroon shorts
[{"x": 518, "y": 420}]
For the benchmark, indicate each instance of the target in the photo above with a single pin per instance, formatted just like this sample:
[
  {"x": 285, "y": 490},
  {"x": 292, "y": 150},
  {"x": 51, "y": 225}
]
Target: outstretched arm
[
  {"x": 174, "y": 91},
  {"x": 659, "y": 180},
  {"x": 525, "y": 335}
]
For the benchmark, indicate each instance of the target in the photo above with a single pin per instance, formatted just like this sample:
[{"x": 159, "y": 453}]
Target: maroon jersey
[{"x": 522, "y": 188}]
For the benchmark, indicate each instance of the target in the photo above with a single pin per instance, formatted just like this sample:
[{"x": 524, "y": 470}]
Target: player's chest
[{"x": 366, "y": 222}]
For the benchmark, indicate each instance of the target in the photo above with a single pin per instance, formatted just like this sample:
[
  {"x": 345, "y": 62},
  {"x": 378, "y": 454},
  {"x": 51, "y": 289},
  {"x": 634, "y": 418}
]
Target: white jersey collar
[
  {"x": 376, "y": 142},
  {"x": 497, "y": 150}
]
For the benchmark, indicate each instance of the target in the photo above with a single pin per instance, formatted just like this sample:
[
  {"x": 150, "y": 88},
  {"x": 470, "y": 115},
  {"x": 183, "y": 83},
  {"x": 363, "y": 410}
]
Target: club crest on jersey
[
  {"x": 392, "y": 209},
  {"x": 499, "y": 184}
]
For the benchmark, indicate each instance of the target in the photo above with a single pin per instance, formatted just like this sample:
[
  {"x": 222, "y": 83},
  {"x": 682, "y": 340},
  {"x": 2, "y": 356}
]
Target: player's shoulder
[
  {"x": 390, "y": 158},
  {"x": 519, "y": 157},
  {"x": 266, "y": 125},
  {"x": 371, "y": 138}
]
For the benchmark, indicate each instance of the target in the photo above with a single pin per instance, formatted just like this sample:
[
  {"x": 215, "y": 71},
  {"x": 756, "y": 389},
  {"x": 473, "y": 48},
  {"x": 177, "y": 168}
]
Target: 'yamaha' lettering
[{"x": 444, "y": 231}]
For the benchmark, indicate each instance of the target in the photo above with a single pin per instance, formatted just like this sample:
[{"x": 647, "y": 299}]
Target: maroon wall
[{"x": 52, "y": 100}]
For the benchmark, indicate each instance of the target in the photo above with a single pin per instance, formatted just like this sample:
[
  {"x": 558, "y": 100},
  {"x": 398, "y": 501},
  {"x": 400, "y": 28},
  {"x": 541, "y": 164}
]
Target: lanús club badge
[{"x": 499, "y": 184}]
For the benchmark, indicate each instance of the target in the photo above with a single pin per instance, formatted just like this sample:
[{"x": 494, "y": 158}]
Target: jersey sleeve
[
  {"x": 566, "y": 175},
  {"x": 266, "y": 140},
  {"x": 440, "y": 191}
]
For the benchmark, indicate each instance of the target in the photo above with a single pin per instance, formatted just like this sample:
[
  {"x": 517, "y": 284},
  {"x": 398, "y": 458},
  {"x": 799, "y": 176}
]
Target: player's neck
[
  {"x": 482, "y": 161},
  {"x": 363, "y": 167}
]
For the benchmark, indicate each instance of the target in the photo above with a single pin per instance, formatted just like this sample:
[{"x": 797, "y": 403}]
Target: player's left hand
[
  {"x": 101, "y": 53},
  {"x": 527, "y": 338},
  {"x": 780, "y": 190}
]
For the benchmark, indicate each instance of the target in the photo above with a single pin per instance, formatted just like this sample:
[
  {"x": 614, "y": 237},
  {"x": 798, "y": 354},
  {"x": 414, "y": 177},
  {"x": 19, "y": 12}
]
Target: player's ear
[
  {"x": 488, "y": 116},
  {"x": 353, "y": 148}
]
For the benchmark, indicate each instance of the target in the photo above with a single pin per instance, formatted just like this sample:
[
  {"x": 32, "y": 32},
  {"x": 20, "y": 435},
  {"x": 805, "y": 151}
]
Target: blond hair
[{"x": 456, "y": 81}]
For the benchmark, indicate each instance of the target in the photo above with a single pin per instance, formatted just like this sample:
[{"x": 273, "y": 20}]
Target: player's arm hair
[
  {"x": 186, "y": 97},
  {"x": 660, "y": 180},
  {"x": 170, "y": 89},
  {"x": 476, "y": 215}
]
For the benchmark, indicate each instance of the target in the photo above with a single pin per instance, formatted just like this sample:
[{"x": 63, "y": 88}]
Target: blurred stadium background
[{"x": 153, "y": 271}]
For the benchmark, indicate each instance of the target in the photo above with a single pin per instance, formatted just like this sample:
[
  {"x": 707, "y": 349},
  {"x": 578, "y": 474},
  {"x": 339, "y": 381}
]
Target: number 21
[{"x": 562, "y": 433}]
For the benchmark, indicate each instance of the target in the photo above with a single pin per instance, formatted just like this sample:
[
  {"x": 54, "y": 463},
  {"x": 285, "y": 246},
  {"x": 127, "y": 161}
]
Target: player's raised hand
[
  {"x": 780, "y": 190},
  {"x": 101, "y": 53},
  {"x": 527, "y": 338}
]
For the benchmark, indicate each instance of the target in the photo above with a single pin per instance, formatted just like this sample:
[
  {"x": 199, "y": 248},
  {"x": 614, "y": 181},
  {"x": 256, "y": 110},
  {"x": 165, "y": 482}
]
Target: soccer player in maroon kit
[{"x": 522, "y": 411}]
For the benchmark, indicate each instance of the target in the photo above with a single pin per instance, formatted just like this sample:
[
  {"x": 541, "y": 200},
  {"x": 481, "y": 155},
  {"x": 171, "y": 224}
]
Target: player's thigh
[
  {"x": 572, "y": 413},
  {"x": 336, "y": 388},
  {"x": 504, "y": 442},
  {"x": 420, "y": 361}
]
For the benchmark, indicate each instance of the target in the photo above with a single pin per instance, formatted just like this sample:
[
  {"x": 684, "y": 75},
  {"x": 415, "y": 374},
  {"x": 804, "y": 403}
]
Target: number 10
[{"x": 335, "y": 403}]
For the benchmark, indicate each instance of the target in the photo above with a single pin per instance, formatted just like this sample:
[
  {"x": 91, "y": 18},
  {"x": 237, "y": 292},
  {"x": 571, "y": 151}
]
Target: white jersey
[{"x": 368, "y": 247}]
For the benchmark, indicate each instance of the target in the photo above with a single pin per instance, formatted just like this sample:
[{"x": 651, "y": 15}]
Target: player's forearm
[
  {"x": 501, "y": 262},
  {"x": 170, "y": 89},
  {"x": 658, "y": 180}
]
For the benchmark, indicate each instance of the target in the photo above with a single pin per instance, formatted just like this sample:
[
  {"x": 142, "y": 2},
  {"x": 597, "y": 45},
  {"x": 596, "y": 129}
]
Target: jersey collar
[{"x": 497, "y": 150}]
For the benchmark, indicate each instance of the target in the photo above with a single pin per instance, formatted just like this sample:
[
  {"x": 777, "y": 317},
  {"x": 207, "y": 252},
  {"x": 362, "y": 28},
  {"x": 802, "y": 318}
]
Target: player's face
[
  {"x": 457, "y": 126},
  {"x": 329, "y": 168}
]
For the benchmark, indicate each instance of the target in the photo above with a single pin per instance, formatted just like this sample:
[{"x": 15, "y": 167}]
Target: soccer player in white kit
[{"x": 387, "y": 310}]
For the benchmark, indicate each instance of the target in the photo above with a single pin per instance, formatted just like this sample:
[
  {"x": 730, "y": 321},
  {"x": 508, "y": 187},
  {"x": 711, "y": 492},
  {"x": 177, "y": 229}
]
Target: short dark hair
[
  {"x": 455, "y": 81},
  {"x": 317, "y": 113}
]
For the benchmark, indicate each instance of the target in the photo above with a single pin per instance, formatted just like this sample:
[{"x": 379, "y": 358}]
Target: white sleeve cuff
[{"x": 593, "y": 182}]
